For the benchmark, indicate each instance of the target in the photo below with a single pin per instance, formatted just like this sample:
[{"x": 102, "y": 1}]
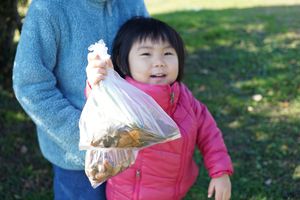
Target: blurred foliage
[{"x": 10, "y": 23}]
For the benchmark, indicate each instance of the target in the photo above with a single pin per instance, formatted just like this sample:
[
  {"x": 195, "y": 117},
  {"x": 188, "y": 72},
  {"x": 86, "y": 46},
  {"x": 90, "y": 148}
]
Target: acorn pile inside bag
[{"x": 117, "y": 120}]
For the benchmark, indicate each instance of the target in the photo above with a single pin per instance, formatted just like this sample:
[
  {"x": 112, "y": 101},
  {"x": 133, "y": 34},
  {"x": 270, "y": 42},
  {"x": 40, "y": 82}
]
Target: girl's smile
[{"x": 153, "y": 62}]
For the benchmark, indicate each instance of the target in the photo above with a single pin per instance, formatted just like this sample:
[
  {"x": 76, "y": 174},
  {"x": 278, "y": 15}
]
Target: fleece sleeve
[
  {"x": 211, "y": 144},
  {"x": 35, "y": 84}
]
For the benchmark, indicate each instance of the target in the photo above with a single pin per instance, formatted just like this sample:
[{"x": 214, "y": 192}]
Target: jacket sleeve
[
  {"x": 210, "y": 142},
  {"x": 34, "y": 81}
]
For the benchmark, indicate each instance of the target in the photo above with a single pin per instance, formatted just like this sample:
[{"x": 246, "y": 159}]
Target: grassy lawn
[{"x": 243, "y": 64}]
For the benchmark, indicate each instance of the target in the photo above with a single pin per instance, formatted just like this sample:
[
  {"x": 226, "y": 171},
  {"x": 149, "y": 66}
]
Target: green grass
[
  {"x": 25, "y": 174},
  {"x": 243, "y": 64},
  {"x": 166, "y": 6},
  {"x": 235, "y": 55}
]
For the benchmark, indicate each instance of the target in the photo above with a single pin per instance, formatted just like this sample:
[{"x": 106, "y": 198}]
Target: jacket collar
[{"x": 165, "y": 95}]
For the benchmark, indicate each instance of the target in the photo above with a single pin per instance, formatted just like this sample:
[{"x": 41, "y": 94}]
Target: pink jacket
[{"x": 167, "y": 171}]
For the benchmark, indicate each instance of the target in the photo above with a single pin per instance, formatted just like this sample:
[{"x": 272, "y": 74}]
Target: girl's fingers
[
  {"x": 97, "y": 64},
  {"x": 99, "y": 78},
  {"x": 92, "y": 56},
  {"x": 219, "y": 195},
  {"x": 226, "y": 195},
  {"x": 94, "y": 75},
  {"x": 102, "y": 71},
  {"x": 210, "y": 190},
  {"x": 96, "y": 69},
  {"x": 96, "y": 78},
  {"x": 109, "y": 63}
]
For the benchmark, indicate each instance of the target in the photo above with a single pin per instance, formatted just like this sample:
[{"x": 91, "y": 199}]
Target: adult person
[{"x": 49, "y": 78}]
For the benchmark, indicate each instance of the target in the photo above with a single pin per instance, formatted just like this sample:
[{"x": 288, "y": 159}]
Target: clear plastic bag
[
  {"x": 103, "y": 164},
  {"x": 119, "y": 115},
  {"x": 117, "y": 120}
]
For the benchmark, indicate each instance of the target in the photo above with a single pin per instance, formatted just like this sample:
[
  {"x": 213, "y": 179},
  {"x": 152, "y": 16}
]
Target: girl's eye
[
  {"x": 168, "y": 53},
  {"x": 145, "y": 54}
]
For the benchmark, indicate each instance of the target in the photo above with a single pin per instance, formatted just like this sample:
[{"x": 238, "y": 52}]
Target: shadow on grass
[
  {"x": 262, "y": 135},
  {"x": 25, "y": 174},
  {"x": 242, "y": 63}
]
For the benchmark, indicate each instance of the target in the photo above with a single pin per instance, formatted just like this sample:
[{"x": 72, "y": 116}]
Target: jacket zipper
[
  {"x": 136, "y": 190},
  {"x": 137, "y": 184},
  {"x": 182, "y": 159},
  {"x": 172, "y": 97}
]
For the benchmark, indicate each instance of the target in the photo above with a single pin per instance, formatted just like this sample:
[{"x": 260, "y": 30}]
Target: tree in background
[{"x": 10, "y": 22}]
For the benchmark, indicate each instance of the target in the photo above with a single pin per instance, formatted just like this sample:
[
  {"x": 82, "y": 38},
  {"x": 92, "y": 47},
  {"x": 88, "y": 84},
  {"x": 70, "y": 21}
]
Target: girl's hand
[
  {"x": 96, "y": 69},
  {"x": 221, "y": 187}
]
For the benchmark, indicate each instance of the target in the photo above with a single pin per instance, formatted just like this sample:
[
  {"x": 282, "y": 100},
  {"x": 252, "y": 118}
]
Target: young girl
[{"x": 149, "y": 54}]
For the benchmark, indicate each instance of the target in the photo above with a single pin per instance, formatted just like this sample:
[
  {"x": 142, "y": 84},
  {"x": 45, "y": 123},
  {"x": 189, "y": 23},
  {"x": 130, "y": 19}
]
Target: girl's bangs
[{"x": 153, "y": 36}]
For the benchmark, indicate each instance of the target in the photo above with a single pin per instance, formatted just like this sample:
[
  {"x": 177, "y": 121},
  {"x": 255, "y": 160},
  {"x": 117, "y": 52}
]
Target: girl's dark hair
[{"x": 140, "y": 29}]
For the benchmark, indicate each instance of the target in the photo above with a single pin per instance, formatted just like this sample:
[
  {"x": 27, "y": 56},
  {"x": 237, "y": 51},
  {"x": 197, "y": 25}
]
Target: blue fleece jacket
[{"x": 49, "y": 70}]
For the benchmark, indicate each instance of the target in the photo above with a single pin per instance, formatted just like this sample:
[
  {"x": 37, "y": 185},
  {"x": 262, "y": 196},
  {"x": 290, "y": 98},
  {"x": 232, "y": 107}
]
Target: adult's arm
[{"x": 35, "y": 83}]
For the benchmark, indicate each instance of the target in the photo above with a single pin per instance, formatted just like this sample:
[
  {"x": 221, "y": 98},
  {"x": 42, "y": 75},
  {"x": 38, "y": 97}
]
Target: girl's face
[{"x": 153, "y": 62}]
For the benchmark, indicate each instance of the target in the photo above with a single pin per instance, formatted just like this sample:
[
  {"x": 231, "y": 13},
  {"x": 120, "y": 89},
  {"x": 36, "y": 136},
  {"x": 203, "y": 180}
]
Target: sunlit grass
[
  {"x": 288, "y": 40},
  {"x": 296, "y": 174},
  {"x": 165, "y": 6},
  {"x": 243, "y": 64}
]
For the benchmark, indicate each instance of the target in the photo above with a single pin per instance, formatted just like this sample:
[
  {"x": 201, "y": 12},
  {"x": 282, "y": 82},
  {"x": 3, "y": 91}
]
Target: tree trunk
[{"x": 9, "y": 22}]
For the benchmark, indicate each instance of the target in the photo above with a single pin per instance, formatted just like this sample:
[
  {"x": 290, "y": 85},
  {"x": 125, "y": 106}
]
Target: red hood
[{"x": 165, "y": 95}]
